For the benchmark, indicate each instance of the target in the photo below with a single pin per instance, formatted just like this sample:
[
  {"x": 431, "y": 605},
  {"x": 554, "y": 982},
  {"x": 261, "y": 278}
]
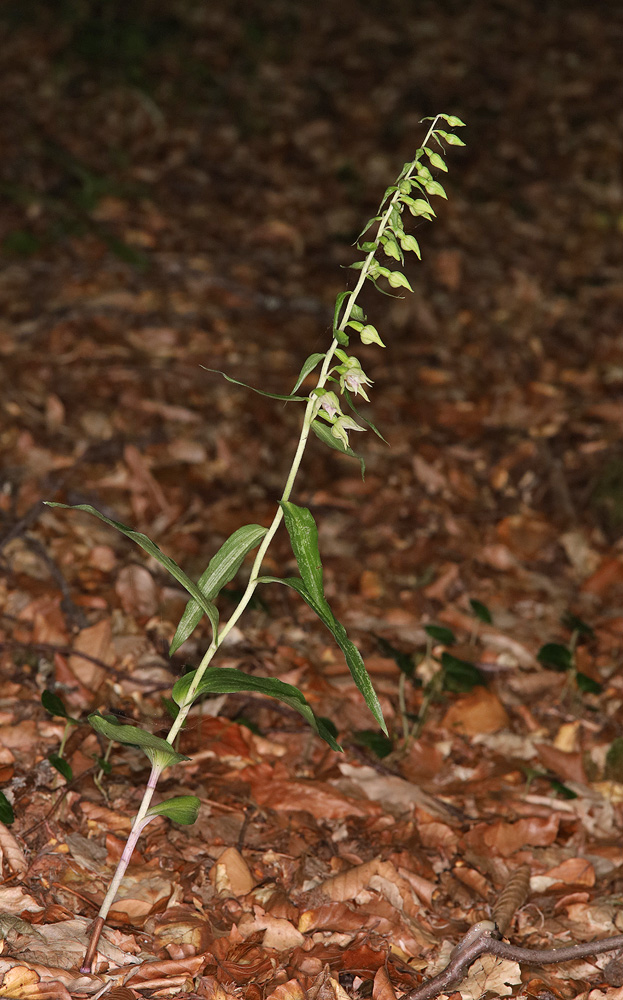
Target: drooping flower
[
  {"x": 328, "y": 402},
  {"x": 353, "y": 377},
  {"x": 341, "y": 427}
]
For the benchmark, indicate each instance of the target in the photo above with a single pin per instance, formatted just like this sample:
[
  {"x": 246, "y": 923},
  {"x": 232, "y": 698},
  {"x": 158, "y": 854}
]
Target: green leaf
[
  {"x": 370, "y": 222},
  {"x": 321, "y": 431},
  {"x": 342, "y": 338},
  {"x": 459, "y": 675},
  {"x": 339, "y": 301},
  {"x": 182, "y": 809},
  {"x": 380, "y": 745},
  {"x": 351, "y": 653},
  {"x": 227, "y": 680},
  {"x": 304, "y": 540},
  {"x": 159, "y": 751},
  {"x": 388, "y": 192},
  {"x": 614, "y": 761},
  {"x": 481, "y": 611},
  {"x": 170, "y": 708},
  {"x": 55, "y": 706},
  {"x": 554, "y": 655},
  {"x": 152, "y": 549},
  {"x": 290, "y": 398},
  {"x": 61, "y": 765},
  {"x": 221, "y": 569},
  {"x": 7, "y": 816},
  {"x": 308, "y": 367},
  {"x": 372, "y": 426},
  {"x": 575, "y": 624},
  {"x": 440, "y": 634},
  {"x": 103, "y": 764},
  {"x": 587, "y": 684},
  {"x": 403, "y": 661},
  {"x": 562, "y": 790}
]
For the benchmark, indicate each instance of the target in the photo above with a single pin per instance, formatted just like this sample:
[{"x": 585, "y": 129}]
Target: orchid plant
[{"x": 341, "y": 377}]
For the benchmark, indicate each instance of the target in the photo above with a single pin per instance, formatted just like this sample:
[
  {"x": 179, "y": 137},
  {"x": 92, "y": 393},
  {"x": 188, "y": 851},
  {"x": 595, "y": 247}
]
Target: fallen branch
[{"x": 481, "y": 940}]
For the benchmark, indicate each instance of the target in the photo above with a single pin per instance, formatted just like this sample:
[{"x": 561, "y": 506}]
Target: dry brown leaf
[
  {"x": 12, "y": 852},
  {"x": 162, "y": 971},
  {"x": 396, "y": 795},
  {"x": 137, "y": 591},
  {"x": 382, "y": 988},
  {"x": 480, "y": 711},
  {"x": 507, "y": 838},
  {"x": 347, "y": 885},
  {"x": 316, "y": 797},
  {"x": 95, "y": 641},
  {"x": 142, "y": 892},
  {"x": 209, "y": 988},
  {"x": 22, "y": 983},
  {"x": 573, "y": 871},
  {"x": 14, "y": 899},
  {"x": 291, "y": 990},
  {"x": 490, "y": 975},
  {"x": 181, "y": 931},
  {"x": 279, "y": 933},
  {"x": 566, "y": 766},
  {"x": 231, "y": 875}
]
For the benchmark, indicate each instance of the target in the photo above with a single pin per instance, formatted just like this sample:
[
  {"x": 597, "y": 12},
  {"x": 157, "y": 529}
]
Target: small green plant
[
  {"x": 55, "y": 705},
  {"x": 340, "y": 379},
  {"x": 557, "y": 656}
]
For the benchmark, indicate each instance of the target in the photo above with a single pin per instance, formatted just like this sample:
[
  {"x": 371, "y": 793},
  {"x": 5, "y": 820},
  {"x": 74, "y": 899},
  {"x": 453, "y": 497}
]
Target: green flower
[
  {"x": 328, "y": 402},
  {"x": 341, "y": 427},
  {"x": 353, "y": 377}
]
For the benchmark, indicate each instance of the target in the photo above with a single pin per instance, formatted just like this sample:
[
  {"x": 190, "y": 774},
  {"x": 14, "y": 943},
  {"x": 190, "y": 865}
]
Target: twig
[
  {"x": 483, "y": 942},
  {"x": 49, "y": 647}
]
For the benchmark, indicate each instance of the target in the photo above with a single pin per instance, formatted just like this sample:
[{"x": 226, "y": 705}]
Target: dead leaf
[
  {"x": 490, "y": 974},
  {"x": 12, "y": 852},
  {"x": 480, "y": 711}
]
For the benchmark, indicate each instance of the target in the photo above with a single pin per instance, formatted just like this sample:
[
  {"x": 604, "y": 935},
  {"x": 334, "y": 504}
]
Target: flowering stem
[{"x": 311, "y": 411}]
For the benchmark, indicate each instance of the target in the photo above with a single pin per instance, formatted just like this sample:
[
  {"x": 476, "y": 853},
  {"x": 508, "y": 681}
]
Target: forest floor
[{"x": 182, "y": 184}]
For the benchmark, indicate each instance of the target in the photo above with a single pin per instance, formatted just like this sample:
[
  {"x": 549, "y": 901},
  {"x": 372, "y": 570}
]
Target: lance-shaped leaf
[
  {"x": 308, "y": 366},
  {"x": 290, "y": 398},
  {"x": 304, "y": 540},
  {"x": 227, "y": 680},
  {"x": 352, "y": 655},
  {"x": 365, "y": 419},
  {"x": 324, "y": 433},
  {"x": 181, "y": 809},
  {"x": 158, "y": 750},
  {"x": 221, "y": 569},
  {"x": 152, "y": 549}
]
